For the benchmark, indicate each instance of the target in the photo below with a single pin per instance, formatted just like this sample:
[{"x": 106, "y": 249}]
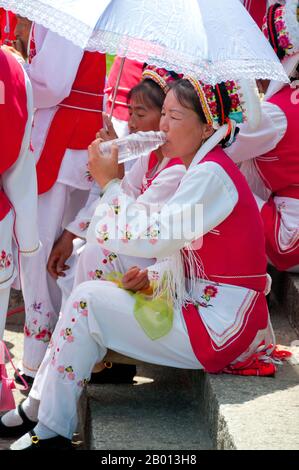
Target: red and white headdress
[
  {"x": 281, "y": 27},
  {"x": 161, "y": 76}
]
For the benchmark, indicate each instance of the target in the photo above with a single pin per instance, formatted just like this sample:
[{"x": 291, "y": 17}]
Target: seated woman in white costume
[
  {"x": 152, "y": 180},
  {"x": 18, "y": 186},
  {"x": 271, "y": 151},
  {"x": 201, "y": 306}
]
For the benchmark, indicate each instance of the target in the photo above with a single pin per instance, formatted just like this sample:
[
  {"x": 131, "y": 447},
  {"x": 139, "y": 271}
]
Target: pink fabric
[{"x": 279, "y": 168}]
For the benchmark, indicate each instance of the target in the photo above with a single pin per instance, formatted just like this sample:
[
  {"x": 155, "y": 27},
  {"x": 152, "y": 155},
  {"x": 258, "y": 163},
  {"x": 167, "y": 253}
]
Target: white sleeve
[
  {"x": 132, "y": 182},
  {"x": 250, "y": 144},
  {"x": 204, "y": 199},
  {"x": 81, "y": 223},
  {"x": 163, "y": 187},
  {"x": 53, "y": 70},
  {"x": 20, "y": 186}
]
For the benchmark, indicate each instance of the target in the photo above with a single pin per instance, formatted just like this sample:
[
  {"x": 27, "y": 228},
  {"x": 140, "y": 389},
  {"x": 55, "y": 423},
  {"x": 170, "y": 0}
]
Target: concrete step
[
  {"x": 160, "y": 412},
  {"x": 255, "y": 413}
]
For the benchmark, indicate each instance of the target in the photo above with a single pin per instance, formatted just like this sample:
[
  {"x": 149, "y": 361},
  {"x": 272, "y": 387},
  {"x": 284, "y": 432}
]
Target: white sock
[
  {"x": 42, "y": 432},
  {"x": 30, "y": 407},
  {"x": 22, "y": 443}
]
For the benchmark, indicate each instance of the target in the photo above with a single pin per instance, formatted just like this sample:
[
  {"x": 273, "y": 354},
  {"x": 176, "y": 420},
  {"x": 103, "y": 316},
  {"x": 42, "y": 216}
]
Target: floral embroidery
[
  {"x": 127, "y": 234},
  {"x": 103, "y": 235},
  {"x": 84, "y": 226},
  {"x": 153, "y": 233},
  {"x": 66, "y": 372},
  {"x": 209, "y": 293},
  {"x": 95, "y": 275},
  {"x": 82, "y": 383},
  {"x": 67, "y": 335},
  {"x": 5, "y": 260},
  {"x": 110, "y": 257},
  {"x": 81, "y": 307},
  {"x": 116, "y": 206},
  {"x": 33, "y": 327}
]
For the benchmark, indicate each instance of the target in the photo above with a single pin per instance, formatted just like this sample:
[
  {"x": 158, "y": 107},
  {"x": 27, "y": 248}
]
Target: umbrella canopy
[{"x": 212, "y": 39}]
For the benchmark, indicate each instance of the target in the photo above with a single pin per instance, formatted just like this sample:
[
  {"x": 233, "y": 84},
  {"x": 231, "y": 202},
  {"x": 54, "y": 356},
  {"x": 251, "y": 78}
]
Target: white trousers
[
  {"x": 42, "y": 296},
  {"x": 98, "y": 316},
  {"x": 4, "y": 300},
  {"x": 90, "y": 262}
]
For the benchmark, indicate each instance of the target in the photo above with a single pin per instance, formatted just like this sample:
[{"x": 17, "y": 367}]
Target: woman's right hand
[
  {"x": 107, "y": 132},
  {"x": 61, "y": 251}
]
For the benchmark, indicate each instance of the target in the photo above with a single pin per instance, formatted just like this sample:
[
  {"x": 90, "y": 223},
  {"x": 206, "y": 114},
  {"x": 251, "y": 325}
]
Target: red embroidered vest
[
  {"x": 279, "y": 168},
  {"x": 232, "y": 253},
  {"x": 13, "y": 117},
  {"x": 77, "y": 120}
]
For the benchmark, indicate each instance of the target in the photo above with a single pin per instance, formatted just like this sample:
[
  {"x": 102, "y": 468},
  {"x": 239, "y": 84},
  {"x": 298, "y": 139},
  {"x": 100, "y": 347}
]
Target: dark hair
[
  {"x": 152, "y": 94},
  {"x": 187, "y": 97},
  {"x": 273, "y": 39}
]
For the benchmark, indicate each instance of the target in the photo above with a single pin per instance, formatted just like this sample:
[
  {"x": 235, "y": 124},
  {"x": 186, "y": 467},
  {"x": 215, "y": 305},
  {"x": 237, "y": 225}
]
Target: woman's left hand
[
  {"x": 136, "y": 279},
  {"x": 103, "y": 169}
]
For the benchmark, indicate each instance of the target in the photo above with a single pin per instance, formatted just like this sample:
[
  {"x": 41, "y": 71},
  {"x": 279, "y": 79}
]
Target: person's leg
[
  {"x": 98, "y": 316},
  {"x": 41, "y": 294}
]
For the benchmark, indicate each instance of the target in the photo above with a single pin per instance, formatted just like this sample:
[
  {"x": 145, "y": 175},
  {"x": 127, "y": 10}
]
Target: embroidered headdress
[
  {"x": 161, "y": 76},
  {"x": 220, "y": 103},
  {"x": 281, "y": 28}
]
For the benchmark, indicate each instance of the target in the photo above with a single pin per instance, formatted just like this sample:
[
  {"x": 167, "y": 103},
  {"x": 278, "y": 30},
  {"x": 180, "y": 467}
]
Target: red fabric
[
  {"x": 73, "y": 128},
  {"x": 130, "y": 77},
  {"x": 279, "y": 168},
  {"x": 13, "y": 109},
  {"x": 7, "y": 38},
  {"x": 281, "y": 259},
  {"x": 238, "y": 250},
  {"x": 257, "y": 9},
  {"x": 153, "y": 160},
  {"x": 4, "y": 205}
]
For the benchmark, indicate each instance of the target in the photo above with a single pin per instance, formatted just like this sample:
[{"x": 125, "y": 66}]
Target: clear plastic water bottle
[{"x": 134, "y": 145}]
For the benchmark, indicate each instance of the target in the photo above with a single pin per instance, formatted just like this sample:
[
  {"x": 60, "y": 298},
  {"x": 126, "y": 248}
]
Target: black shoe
[
  {"x": 17, "y": 431},
  {"x": 57, "y": 443},
  {"x": 117, "y": 374},
  {"x": 27, "y": 379}
]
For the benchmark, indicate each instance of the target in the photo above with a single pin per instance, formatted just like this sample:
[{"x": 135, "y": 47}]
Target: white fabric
[
  {"x": 253, "y": 143},
  {"x": 41, "y": 294},
  {"x": 101, "y": 325},
  {"x": 52, "y": 73},
  {"x": 20, "y": 224},
  {"x": 205, "y": 186},
  {"x": 289, "y": 227},
  {"x": 4, "y": 300},
  {"x": 19, "y": 184},
  {"x": 85, "y": 262},
  {"x": 133, "y": 28},
  {"x": 163, "y": 187},
  {"x": 56, "y": 57}
]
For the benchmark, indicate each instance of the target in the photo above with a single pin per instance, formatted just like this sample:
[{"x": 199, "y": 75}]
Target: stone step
[
  {"x": 160, "y": 412},
  {"x": 285, "y": 295},
  {"x": 256, "y": 413}
]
